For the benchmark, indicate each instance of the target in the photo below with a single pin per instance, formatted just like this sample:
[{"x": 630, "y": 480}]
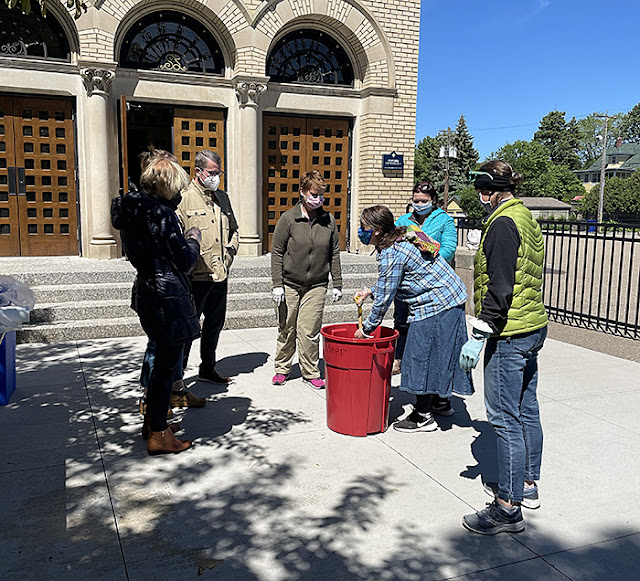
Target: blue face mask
[
  {"x": 365, "y": 235},
  {"x": 422, "y": 209}
]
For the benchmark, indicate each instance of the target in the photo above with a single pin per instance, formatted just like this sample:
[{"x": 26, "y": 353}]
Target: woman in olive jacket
[{"x": 161, "y": 294}]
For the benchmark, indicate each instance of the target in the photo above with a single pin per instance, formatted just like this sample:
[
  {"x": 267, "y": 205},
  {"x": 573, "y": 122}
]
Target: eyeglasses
[
  {"x": 210, "y": 172},
  {"x": 473, "y": 175}
]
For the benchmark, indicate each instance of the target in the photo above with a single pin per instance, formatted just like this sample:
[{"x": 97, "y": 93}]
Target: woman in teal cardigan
[{"x": 437, "y": 224}]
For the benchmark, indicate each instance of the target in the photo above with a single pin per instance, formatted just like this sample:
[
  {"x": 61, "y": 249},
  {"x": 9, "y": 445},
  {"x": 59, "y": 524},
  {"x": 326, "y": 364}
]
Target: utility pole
[
  {"x": 447, "y": 152},
  {"x": 602, "y": 167}
]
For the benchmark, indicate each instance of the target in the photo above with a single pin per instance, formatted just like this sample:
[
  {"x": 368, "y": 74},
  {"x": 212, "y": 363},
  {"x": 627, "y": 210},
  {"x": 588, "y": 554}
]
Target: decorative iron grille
[
  {"x": 309, "y": 56},
  {"x": 31, "y": 35},
  {"x": 171, "y": 41}
]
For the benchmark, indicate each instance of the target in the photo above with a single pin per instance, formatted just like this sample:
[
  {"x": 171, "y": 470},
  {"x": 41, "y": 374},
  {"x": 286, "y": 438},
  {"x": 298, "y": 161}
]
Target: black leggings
[
  {"x": 160, "y": 383},
  {"x": 400, "y": 315}
]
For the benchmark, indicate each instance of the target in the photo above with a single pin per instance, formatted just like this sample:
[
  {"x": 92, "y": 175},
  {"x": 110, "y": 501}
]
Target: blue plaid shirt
[{"x": 429, "y": 286}]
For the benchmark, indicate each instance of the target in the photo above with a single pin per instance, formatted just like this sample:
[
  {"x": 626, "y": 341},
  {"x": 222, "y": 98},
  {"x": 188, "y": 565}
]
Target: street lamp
[{"x": 447, "y": 152}]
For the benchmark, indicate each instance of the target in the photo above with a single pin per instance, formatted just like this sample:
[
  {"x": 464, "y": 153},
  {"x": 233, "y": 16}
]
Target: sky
[{"x": 505, "y": 64}]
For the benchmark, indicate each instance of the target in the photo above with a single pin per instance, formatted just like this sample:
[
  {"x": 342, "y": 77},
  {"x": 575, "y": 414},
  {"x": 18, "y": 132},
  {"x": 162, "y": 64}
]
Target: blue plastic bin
[
  {"x": 591, "y": 228},
  {"x": 7, "y": 367}
]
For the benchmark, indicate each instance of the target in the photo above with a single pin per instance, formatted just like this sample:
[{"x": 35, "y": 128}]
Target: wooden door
[
  {"x": 9, "y": 222},
  {"x": 195, "y": 130},
  {"x": 294, "y": 145},
  {"x": 44, "y": 215}
]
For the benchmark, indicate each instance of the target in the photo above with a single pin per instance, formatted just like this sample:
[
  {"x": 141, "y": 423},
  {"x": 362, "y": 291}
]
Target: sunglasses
[{"x": 473, "y": 175}]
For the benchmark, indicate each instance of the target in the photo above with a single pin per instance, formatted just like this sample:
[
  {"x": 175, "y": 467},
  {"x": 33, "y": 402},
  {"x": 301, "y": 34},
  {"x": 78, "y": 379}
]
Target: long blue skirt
[{"x": 430, "y": 360}]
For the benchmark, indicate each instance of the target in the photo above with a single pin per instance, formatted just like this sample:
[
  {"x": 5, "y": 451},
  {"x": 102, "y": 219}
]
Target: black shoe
[
  {"x": 442, "y": 406},
  {"x": 416, "y": 422},
  {"x": 494, "y": 519},
  {"x": 212, "y": 376}
]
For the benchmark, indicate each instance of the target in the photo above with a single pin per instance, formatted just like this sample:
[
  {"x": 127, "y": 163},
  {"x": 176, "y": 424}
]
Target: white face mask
[
  {"x": 211, "y": 182},
  {"x": 314, "y": 202},
  {"x": 486, "y": 205}
]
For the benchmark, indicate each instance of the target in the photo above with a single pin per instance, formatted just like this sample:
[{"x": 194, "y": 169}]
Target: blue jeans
[
  {"x": 148, "y": 364},
  {"x": 510, "y": 382}
]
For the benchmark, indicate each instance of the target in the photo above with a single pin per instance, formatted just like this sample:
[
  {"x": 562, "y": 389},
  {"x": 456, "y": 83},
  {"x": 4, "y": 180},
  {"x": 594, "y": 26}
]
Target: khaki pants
[{"x": 300, "y": 317}]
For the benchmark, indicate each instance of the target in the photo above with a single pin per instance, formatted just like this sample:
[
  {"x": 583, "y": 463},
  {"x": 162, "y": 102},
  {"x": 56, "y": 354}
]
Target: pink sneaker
[
  {"x": 279, "y": 379},
  {"x": 316, "y": 383}
]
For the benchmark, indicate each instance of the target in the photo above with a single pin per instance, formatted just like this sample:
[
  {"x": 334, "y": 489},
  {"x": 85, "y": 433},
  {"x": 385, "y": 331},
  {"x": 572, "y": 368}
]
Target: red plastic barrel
[{"x": 358, "y": 378}]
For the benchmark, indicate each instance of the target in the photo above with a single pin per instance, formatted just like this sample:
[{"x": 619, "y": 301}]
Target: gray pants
[{"x": 300, "y": 318}]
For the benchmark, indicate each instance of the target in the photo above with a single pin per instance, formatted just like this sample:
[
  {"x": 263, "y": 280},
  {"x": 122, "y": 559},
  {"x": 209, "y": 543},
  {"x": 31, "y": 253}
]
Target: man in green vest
[{"x": 512, "y": 321}]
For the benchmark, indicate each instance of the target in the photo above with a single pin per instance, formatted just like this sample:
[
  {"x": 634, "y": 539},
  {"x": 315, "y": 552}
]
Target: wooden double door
[
  {"x": 38, "y": 199},
  {"x": 294, "y": 145}
]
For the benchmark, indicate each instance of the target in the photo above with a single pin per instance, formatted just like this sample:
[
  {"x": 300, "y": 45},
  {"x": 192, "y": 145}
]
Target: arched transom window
[
  {"x": 31, "y": 35},
  {"x": 309, "y": 56},
  {"x": 171, "y": 41}
]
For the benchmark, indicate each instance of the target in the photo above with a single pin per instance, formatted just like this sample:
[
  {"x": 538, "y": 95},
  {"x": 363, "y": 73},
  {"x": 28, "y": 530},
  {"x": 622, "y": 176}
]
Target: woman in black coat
[{"x": 161, "y": 296}]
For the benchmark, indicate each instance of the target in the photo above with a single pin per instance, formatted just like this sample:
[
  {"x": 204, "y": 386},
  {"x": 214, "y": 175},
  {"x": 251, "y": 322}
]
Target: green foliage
[
  {"x": 630, "y": 125},
  {"x": 558, "y": 182},
  {"x": 621, "y": 196},
  {"x": 25, "y": 5},
  {"x": 589, "y": 129},
  {"x": 560, "y": 137},
  {"x": 430, "y": 166},
  {"x": 470, "y": 203}
]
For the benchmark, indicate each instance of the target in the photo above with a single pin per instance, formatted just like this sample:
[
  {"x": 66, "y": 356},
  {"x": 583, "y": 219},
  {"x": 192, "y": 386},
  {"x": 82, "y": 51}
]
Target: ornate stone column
[
  {"x": 248, "y": 92},
  {"x": 100, "y": 190}
]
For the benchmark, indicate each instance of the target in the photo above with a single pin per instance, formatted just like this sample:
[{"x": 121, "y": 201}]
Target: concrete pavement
[{"x": 269, "y": 493}]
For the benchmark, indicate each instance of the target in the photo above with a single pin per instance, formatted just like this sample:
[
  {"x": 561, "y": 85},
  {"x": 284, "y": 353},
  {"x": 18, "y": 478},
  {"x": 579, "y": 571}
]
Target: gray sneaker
[
  {"x": 494, "y": 519},
  {"x": 530, "y": 497}
]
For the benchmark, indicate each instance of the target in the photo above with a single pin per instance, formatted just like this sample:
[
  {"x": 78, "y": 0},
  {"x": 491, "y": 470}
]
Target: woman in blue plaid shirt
[{"x": 436, "y": 297}]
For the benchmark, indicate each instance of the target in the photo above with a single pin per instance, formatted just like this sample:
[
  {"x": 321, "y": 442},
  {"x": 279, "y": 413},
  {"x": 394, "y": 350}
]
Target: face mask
[
  {"x": 314, "y": 202},
  {"x": 211, "y": 182},
  {"x": 365, "y": 235},
  {"x": 486, "y": 206},
  {"x": 422, "y": 209}
]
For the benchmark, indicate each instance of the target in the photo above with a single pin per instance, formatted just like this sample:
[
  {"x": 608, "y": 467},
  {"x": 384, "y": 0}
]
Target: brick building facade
[{"x": 275, "y": 86}]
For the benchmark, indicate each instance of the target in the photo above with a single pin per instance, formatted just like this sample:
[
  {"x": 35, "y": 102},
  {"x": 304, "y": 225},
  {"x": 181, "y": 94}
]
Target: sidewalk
[{"x": 269, "y": 493}]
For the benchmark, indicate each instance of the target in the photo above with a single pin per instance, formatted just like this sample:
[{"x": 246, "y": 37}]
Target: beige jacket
[{"x": 211, "y": 212}]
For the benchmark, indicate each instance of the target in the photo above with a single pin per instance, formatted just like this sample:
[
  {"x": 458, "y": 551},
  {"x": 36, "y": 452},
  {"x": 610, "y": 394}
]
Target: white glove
[
  {"x": 336, "y": 295},
  {"x": 277, "y": 295}
]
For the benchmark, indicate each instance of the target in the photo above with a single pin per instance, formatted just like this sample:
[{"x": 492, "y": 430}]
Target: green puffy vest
[{"x": 527, "y": 311}]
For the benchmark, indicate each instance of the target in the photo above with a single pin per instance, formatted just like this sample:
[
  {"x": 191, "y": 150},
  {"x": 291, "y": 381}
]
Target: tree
[
  {"x": 560, "y": 137},
  {"x": 630, "y": 125},
  {"x": 590, "y": 134},
  {"x": 467, "y": 154},
  {"x": 426, "y": 153},
  {"x": 470, "y": 203},
  {"x": 530, "y": 158},
  {"x": 26, "y": 5},
  {"x": 621, "y": 197},
  {"x": 558, "y": 182}
]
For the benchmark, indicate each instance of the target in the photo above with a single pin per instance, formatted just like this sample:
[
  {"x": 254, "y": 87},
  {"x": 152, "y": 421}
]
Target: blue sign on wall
[{"x": 393, "y": 161}]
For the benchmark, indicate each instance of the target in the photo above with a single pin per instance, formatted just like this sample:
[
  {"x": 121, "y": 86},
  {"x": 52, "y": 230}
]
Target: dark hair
[
  {"x": 498, "y": 167},
  {"x": 426, "y": 187},
  {"x": 381, "y": 217}
]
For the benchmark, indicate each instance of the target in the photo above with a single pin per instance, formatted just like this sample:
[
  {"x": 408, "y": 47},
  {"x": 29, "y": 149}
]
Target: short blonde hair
[
  {"x": 164, "y": 178},
  {"x": 311, "y": 179}
]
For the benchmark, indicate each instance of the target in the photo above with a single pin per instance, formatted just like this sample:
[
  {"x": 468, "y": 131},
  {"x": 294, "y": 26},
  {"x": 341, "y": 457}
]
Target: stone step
[
  {"x": 60, "y": 293},
  {"x": 130, "y": 326},
  {"x": 116, "y": 308}
]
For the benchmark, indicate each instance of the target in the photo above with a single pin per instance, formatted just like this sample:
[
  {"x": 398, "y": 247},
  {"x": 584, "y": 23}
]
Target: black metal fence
[{"x": 591, "y": 274}]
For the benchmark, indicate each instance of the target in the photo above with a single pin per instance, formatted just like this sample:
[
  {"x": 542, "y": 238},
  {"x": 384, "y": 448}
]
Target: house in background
[
  {"x": 622, "y": 160},
  {"x": 546, "y": 207}
]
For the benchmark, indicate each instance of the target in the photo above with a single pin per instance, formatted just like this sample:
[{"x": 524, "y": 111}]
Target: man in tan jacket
[{"x": 207, "y": 207}]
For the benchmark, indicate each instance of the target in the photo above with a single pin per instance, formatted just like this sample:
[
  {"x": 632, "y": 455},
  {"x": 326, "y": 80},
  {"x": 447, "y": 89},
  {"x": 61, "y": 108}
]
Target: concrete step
[
  {"x": 60, "y": 293},
  {"x": 75, "y": 330}
]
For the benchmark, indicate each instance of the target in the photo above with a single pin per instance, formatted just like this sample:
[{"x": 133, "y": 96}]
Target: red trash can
[{"x": 358, "y": 378}]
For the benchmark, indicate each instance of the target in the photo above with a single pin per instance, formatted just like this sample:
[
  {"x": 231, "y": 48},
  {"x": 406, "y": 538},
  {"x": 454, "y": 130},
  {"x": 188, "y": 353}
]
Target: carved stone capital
[
  {"x": 97, "y": 81},
  {"x": 248, "y": 93}
]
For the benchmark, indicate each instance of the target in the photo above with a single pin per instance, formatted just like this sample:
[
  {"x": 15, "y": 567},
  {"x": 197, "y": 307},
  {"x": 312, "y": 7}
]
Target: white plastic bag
[{"x": 16, "y": 302}]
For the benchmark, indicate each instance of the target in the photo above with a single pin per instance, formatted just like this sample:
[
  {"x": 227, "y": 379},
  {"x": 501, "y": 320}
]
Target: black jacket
[{"x": 162, "y": 256}]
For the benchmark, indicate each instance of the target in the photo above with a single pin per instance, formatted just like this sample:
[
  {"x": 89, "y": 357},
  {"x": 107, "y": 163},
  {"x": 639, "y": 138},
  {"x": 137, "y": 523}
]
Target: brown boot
[
  {"x": 165, "y": 443},
  {"x": 185, "y": 399},
  {"x": 143, "y": 409},
  {"x": 146, "y": 427}
]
